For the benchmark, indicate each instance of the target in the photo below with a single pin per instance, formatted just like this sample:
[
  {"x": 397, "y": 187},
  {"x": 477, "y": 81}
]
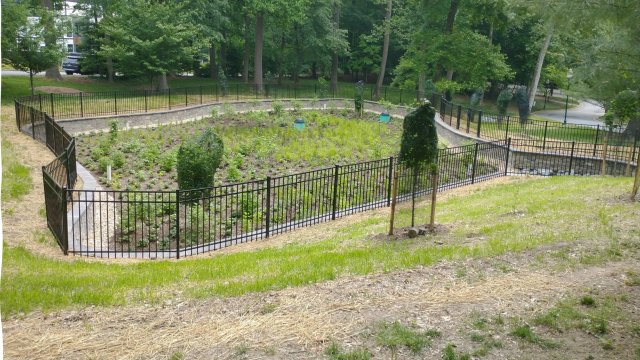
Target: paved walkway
[{"x": 586, "y": 113}]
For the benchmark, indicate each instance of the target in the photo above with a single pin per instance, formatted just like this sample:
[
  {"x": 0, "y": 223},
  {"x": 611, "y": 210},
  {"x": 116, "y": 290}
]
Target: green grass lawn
[{"x": 504, "y": 218}]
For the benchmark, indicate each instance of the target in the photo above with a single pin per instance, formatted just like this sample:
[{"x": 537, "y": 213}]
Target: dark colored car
[{"x": 71, "y": 64}]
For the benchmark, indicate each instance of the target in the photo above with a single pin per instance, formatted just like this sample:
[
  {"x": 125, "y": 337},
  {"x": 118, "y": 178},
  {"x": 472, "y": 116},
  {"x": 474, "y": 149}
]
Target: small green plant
[
  {"x": 449, "y": 353},
  {"x": 525, "y": 333},
  {"x": 394, "y": 334},
  {"x": 113, "y": 130},
  {"x": 587, "y": 301},
  {"x": 297, "y": 106},
  {"x": 278, "y": 108},
  {"x": 215, "y": 113},
  {"x": 167, "y": 161},
  {"x": 335, "y": 353}
]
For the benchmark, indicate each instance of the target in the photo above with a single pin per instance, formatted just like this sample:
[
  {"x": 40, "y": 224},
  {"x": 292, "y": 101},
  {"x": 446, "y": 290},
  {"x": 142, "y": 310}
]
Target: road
[{"x": 586, "y": 113}]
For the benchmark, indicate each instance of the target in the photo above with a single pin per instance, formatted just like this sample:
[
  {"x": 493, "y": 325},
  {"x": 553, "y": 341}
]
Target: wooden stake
[
  {"x": 393, "y": 200},
  {"x": 434, "y": 191}
]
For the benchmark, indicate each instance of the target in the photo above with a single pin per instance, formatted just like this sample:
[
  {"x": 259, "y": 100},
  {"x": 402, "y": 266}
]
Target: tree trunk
[
  {"x": 334, "y": 57},
  {"x": 636, "y": 182},
  {"x": 161, "y": 82},
  {"x": 109, "y": 69},
  {"x": 491, "y": 33},
  {"x": 604, "y": 153},
  {"x": 245, "y": 52},
  {"x": 257, "y": 60},
  {"x": 213, "y": 71},
  {"x": 451, "y": 17},
  {"x": 434, "y": 192},
  {"x": 421, "y": 80},
  {"x": 282, "y": 56},
  {"x": 223, "y": 57},
  {"x": 385, "y": 50},
  {"x": 53, "y": 72},
  {"x": 538, "y": 70},
  {"x": 31, "y": 80}
]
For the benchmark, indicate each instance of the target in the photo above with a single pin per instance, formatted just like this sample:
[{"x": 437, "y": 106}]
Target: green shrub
[
  {"x": 502, "y": 103},
  {"x": 117, "y": 159},
  {"x": 167, "y": 161},
  {"x": 278, "y": 108},
  {"x": 522, "y": 98},
  {"x": 198, "y": 160},
  {"x": 113, "y": 130}
]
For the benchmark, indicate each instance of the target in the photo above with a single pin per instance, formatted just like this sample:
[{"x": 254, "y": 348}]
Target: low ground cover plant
[{"x": 257, "y": 144}]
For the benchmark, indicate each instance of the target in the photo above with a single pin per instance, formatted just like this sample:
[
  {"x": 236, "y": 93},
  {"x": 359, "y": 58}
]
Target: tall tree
[
  {"x": 385, "y": 49},
  {"x": 152, "y": 39},
  {"x": 22, "y": 40},
  {"x": 53, "y": 72}
]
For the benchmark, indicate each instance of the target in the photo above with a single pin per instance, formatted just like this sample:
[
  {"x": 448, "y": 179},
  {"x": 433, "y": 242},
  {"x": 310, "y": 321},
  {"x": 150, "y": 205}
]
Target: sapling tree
[
  {"x": 419, "y": 148},
  {"x": 197, "y": 161}
]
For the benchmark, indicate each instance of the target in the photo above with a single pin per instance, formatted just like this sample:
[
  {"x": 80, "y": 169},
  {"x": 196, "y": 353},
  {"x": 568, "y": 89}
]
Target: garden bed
[{"x": 257, "y": 145}]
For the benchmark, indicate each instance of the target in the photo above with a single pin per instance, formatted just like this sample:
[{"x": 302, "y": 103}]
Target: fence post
[
  {"x": 18, "y": 114},
  {"x": 451, "y": 115},
  {"x": 186, "y": 98},
  {"x": 458, "y": 116},
  {"x": 268, "y": 217},
  {"x": 390, "y": 181},
  {"x": 544, "y": 138},
  {"x": 33, "y": 124},
  {"x": 479, "y": 122},
  {"x": 65, "y": 226},
  {"x": 335, "y": 192},
  {"x": 177, "y": 224},
  {"x": 469, "y": 118},
  {"x": 595, "y": 144},
  {"x": 40, "y": 101},
  {"x": 81, "y": 106},
  {"x": 53, "y": 113},
  {"x": 68, "y": 165},
  {"x": 573, "y": 146},
  {"x": 506, "y": 163},
  {"x": 506, "y": 133},
  {"x": 200, "y": 94},
  {"x": 475, "y": 163},
  {"x": 115, "y": 102},
  {"x": 145, "y": 100}
]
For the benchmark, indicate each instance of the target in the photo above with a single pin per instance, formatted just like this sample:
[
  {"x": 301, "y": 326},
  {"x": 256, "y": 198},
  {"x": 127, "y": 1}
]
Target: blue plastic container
[
  {"x": 298, "y": 124},
  {"x": 385, "y": 117}
]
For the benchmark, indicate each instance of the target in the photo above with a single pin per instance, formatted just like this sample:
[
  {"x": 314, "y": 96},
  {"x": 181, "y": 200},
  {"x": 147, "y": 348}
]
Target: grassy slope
[{"x": 512, "y": 217}]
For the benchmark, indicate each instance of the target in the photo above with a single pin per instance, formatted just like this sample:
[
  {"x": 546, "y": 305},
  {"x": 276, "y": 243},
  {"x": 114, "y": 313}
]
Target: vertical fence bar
[
  {"x": 53, "y": 114},
  {"x": 115, "y": 102},
  {"x": 268, "y": 217},
  {"x": 145, "y": 100},
  {"x": 595, "y": 143},
  {"x": 200, "y": 94},
  {"x": 506, "y": 132},
  {"x": 469, "y": 117},
  {"x": 479, "y": 122},
  {"x": 177, "y": 224},
  {"x": 458, "y": 116},
  {"x": 475, "y": 163},
  {"x": 169, "y": 93},
  {"x": 40, "y": 101},
  {"x": 65, "y": 226},
  {"x": 186, "y": 98},
  {"x": 544, "y": 137},
  {"x": 81, "y": 107},
  {"x": 335, "y": 192},
  {"x": 573, "y": 147},
  {"x": 390, "y": 175},
  {"x": 33, "y": 124},
  {"x": 506, "y": 161}
]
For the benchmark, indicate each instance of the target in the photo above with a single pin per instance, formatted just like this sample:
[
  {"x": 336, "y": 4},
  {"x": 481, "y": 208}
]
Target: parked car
[{"x": 71, "y": 65}]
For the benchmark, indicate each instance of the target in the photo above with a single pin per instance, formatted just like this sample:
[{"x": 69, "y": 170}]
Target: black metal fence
[
  {"x": 165, "y": 224},
  {"x": 497, "y": 127},
  {"x": 81, "y": 105},
  {"x": 181, "y": 223}
]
